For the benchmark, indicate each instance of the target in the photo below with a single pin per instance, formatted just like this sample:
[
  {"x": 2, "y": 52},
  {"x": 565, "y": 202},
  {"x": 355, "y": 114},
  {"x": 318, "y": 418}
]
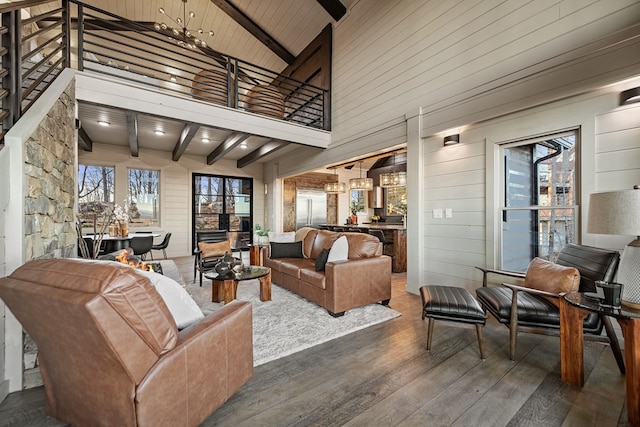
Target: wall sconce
[
  {"x": 630, "y": 96},
  {"x": 451, "y": 139}
]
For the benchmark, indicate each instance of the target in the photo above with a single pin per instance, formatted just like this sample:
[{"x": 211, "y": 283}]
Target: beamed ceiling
[{"x": 268, "y": 33}]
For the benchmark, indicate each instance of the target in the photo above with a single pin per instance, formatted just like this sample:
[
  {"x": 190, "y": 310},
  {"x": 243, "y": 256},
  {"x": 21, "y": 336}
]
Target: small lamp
[
  {"x": 618, "y": 213},
  {"x": 451, "y": 139}
]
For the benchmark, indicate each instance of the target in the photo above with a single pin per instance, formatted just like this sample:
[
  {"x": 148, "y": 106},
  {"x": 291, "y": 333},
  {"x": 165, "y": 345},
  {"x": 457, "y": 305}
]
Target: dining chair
[
  {"x": 162, "y": 246},
  {"x": 141, "y": 245}
]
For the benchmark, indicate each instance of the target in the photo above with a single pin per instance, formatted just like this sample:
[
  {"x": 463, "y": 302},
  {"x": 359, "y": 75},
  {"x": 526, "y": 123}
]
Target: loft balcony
[{"x": 77, "y": 35}]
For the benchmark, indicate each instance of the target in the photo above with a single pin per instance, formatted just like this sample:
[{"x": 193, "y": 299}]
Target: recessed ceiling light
[
  {"x": 158, "y": 132},
  {"x": 103, "y": 123},
  {"x": 243, "y": 146},
  {"x": 173, "y": 78},
  {"x": 205, "y": 140}
]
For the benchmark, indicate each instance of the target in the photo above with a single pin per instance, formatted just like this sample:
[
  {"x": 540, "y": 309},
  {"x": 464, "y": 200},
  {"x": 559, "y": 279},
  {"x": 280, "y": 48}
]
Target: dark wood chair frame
[{"x": 514, "y": 327}]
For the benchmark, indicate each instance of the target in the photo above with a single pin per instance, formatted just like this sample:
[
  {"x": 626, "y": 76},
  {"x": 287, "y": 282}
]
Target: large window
[
  {"x": 223, "y": 203},
  {"x": 96, "y": 192},
  {"x": 539, "y": 204},
  {"x": 144, "y": 197},
  {"x": 396, "y": 200}
]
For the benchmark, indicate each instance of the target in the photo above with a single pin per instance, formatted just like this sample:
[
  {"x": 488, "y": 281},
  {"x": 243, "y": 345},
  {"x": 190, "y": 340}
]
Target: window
[
  {"x": 96, "y": 191},
  {"x": 144, "y": 197},
  {"x": 223, "y": 203},
  {"x": 539, "y": 206},
  {"x": 396, "y": 200},
  {"x": 356, "y": 203}
]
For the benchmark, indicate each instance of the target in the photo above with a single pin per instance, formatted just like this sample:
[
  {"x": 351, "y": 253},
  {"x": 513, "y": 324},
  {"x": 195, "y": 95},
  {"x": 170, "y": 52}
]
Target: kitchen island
[{"x": 396, "y": 236}]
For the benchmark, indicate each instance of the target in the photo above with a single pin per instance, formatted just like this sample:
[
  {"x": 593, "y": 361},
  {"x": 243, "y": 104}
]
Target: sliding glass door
[{"x": 223, "y": 203}]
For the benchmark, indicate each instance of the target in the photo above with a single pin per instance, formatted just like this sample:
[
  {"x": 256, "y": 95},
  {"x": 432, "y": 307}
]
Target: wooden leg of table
[
  {"x": 571, "y": 344},
  {"x": 265, "y": 287},
  {"x": 254, "y": 255},
  {"x": 216, "y": 291},
  {"x": 230, "y": 290},
  {"x": 631, "y": 332}
]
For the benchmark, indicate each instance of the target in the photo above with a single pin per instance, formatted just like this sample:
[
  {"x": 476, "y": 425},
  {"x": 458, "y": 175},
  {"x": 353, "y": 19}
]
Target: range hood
[{"x": 375, "y": 198}]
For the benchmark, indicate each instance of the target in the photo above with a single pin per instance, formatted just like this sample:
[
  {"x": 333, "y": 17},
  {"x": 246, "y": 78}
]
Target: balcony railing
[{"x": 36, "y": 49}]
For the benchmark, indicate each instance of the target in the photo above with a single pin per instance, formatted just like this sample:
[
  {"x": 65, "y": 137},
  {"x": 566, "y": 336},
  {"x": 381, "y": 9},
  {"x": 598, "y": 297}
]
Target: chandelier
[
  {"x": 393, "y": 179},
  {"x": 186, "y": 38},
  {"x": 335, "y": 187},
  {"x": 361, "y": 183}
]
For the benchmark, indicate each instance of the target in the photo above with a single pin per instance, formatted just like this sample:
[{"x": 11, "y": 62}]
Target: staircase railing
[{"x": 35, "y": 49}]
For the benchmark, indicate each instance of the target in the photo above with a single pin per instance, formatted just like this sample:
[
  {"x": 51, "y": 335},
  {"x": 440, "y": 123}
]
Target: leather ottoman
[{"x": 452, "y": 304}]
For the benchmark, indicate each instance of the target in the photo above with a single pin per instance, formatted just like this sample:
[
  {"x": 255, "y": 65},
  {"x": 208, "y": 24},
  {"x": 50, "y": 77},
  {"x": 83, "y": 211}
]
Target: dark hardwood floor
[{"x": 383, "y": 376}]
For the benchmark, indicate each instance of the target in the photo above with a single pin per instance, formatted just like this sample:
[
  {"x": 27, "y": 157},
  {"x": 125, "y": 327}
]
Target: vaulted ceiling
[{"x": 268, "y": 33}]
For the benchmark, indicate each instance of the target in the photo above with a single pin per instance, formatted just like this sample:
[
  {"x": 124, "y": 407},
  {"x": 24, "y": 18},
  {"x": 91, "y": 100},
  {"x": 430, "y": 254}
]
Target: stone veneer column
[{"x": 50, "y": 176}]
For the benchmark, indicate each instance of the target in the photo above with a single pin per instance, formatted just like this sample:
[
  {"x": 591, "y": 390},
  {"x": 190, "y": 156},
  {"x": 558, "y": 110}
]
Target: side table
[
  {"x": 573, "y": 308},
  {"x": 255, "y": 253}
]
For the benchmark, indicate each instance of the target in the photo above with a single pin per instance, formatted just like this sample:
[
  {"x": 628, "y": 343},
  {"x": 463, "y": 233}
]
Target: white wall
[
  {"x": 458, "y": 65},
  {"x": 175, "y": 186}
]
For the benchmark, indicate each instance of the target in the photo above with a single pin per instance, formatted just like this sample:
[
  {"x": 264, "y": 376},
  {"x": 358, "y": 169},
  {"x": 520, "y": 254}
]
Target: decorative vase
[
  {"x": 354, "y": 219},
  {"x": 124, "y": 230}
]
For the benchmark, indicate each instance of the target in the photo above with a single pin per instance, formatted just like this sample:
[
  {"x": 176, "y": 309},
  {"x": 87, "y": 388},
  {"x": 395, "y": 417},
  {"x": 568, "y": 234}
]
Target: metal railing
[{"x": 34, "y": 50}]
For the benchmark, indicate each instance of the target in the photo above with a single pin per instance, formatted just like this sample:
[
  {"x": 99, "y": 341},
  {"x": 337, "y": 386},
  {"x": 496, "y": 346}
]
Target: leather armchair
[
  {"x": 109, "y": 350},
  {"x": 531, "y": 310}
]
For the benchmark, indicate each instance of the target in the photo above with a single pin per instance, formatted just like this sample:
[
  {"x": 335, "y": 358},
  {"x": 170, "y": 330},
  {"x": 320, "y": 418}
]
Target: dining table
[{"x": 116, "y": 243}]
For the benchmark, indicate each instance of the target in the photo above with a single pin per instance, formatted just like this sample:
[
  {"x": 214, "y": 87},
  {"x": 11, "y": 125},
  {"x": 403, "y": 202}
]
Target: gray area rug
[{"x": 289, "y": 323}]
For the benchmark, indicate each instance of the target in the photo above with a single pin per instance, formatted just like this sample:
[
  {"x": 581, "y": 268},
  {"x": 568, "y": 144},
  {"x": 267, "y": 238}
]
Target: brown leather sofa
[
  {"x": 109, "y": 350},
  {"x": 365, "y": 278}
]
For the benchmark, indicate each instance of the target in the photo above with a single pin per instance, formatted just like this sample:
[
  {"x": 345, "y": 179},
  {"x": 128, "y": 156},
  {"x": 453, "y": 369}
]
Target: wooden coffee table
[{"x": 226, "y": 289}]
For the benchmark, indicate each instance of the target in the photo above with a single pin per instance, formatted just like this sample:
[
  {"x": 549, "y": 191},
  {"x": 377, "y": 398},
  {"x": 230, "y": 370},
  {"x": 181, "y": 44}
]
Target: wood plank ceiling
[{"x": 268, "y": 33}]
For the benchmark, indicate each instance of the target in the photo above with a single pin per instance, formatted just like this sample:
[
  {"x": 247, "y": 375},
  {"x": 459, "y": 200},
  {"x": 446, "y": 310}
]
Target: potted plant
[
  {"x": 262, "y": 233},
  {"x": 355, "y": 208}
]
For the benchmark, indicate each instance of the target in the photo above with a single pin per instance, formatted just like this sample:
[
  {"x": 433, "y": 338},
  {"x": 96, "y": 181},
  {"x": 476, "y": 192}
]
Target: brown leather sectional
[
  {"x": 365, "y": 278},
  {"x": 109, "y": 350}
]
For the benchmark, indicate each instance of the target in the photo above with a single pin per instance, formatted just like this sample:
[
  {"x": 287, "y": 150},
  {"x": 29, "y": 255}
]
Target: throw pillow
[
  {"x": 182, "y": 307},
  {"x": 217, "y": 249},
  {"x": 321, "y": 260},
  {"x": 286, "y": 250},
  {"x": 547, "y": 276},
  {"x": 287, "y": 237},
  {"x": 339, "y": 250}
]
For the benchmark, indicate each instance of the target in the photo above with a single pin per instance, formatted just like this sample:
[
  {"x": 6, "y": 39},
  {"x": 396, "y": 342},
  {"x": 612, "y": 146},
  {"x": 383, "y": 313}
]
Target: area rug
[{"x": 289, "y": 323}]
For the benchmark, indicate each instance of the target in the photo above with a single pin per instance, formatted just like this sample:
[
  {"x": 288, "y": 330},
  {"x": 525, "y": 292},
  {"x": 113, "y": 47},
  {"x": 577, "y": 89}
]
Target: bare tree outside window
[
  {"x": 96, "y": 191},
  {"x": 144, "y": 197}
]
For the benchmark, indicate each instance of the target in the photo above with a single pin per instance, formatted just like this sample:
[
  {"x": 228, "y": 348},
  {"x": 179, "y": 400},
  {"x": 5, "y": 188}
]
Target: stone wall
[{"x": 50, "y": 171}]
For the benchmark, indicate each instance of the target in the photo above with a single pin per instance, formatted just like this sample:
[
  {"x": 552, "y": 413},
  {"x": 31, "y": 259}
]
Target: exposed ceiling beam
[
  {"x": 186, "y": 136},
  {"x": 231, "y": 142},
  {"x": 84, "y": 141},
  {"x": 264, "y": 150},
  {"x": 335, "y": 8},
  {"x": 256, "y": 31},
  {"x": 132, "y": 132},
  {"x": 352, "y": 163}
]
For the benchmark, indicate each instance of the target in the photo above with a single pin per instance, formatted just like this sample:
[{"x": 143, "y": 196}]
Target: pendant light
[
  {"x": 393, "y": 178},
  {"x": 361, "y": 183},
  {"x": 335, "y": 187}
]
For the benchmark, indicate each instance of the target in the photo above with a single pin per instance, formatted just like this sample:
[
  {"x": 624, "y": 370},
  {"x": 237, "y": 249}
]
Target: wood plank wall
[{"x": 309, "y": 180}]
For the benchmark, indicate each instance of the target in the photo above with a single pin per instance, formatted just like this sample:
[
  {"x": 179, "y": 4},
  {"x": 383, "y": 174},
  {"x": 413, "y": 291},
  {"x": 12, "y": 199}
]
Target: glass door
[{"x": 223, "y": 203}]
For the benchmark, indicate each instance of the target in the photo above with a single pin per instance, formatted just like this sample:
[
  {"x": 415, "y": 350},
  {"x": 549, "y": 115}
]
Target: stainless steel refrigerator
[{"x": 311, "y": 208}]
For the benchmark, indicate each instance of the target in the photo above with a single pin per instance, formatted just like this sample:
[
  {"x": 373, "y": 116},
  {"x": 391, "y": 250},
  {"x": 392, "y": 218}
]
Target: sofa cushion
[
  {"x": 286, "y": 250},
  {"x": 183, "y": 308},
  {"x": 363, "y": 245},
  {"x": 301, "y": 233},
  {"x": 292, "y": 266},
  {"x": 217, "y": 249},
  {"x": 321, "y": 261},
  {"x": 339, "y": 250},
  {"x": 324, "y": 239},
  {"x": 547, "y": 276},
  {"x": 315, "y": 278},
  {"x": 308, "y": 241}
]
